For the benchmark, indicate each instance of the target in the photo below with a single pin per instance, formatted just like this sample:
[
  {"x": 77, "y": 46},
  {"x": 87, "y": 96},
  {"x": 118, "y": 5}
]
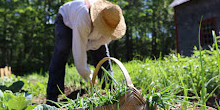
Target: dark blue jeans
[{"x": 62, "y": 49}]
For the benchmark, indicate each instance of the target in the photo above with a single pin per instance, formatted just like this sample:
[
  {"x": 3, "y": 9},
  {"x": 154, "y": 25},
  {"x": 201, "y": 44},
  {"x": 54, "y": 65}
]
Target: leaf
[
  {"x": 30, "y": 107},
  {"x": 217, "y": 105},
  {"x": 16, "y": 86},
  {"x": 18, "y": 103},
  {"x": 45, "y": 107},
  {"x": 20, "y": 10},
  {"x": 8, "y": 95},
  {"x": 149, "y": 10},
  {"x": 1, "y": 94},
  {"x": 29, "y": 8}
]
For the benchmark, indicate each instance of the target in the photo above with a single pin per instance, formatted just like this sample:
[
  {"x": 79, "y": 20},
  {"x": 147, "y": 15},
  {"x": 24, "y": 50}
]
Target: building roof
[{"x": 177, "y": 2}]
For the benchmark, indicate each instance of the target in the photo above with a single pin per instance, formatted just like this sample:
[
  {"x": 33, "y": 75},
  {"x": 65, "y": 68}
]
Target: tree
[
  {"x": 27, "y": 32},
  {"x": 150, "y": 29}
]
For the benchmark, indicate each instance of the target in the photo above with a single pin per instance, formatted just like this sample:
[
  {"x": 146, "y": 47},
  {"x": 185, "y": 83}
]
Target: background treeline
[{"x": 27, "y": 32}]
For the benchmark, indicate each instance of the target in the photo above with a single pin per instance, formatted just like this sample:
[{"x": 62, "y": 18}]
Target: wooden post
[
  {"x": 6, "y": 71},
  {"x": 2, "y": 73},
  {"x": 9, "y": 73}
]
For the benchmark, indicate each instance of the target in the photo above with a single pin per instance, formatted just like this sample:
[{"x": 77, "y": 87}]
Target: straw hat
[{"x": 107, "y": 18}]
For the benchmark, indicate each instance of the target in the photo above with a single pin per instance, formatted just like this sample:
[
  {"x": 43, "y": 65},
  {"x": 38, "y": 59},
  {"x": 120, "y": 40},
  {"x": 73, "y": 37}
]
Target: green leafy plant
[
  {"x": 35, "y": 83},
  {"x": 45, "y": 107},
  {"x": 16, "y": 101}
]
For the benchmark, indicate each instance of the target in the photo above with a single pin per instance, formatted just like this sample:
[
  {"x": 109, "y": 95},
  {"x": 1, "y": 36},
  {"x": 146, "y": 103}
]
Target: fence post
[
  {"x": 6, "y": 71},
  {"x": 2, "y": 73},
  {"x": 9, "y": 73}
]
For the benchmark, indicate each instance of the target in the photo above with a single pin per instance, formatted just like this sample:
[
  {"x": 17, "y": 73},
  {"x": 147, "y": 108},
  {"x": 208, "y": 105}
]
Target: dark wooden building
[{"x": 188, "y": 14}]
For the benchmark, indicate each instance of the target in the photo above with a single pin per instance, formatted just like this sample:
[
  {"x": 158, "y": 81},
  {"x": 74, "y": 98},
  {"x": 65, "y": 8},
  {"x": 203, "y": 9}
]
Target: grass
[
  {"x": 174, "y": 81},
  {"x": 203, "y": 91},
  {"x": 216, "y": 47},
  {"x": 184, "y": 73},
  {"x": 96, "y": 97},
  {"x": 170, "y": 82}
]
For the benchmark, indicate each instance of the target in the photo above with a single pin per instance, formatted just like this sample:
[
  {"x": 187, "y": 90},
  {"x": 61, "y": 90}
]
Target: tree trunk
[
  {"x": 128, "y": 43},
  {"x": 4, "y": 49},
  {"x": 154, "y": 35},
  {"x": 128, "y": 40},
  {"x": 154, "y": 40}
]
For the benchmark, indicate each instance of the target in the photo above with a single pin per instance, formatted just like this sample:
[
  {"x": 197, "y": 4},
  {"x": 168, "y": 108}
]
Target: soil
[
  {"x": 70, "y": 92},
  {"x": 211, "y": 101}
]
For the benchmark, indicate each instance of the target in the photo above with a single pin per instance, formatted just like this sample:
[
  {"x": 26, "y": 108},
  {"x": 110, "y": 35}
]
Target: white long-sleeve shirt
[{"x": 76, "y": 16}]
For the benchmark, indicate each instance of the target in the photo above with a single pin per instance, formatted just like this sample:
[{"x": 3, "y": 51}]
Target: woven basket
[{"x": 130, "y": 101}]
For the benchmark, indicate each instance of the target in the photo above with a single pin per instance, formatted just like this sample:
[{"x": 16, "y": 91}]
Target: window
[{"x": 206, "y": 32}]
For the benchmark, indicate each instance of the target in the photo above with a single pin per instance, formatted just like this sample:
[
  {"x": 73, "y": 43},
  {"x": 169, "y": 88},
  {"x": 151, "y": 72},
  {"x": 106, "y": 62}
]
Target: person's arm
[
  {"x": 79, "y": 42},
  {"x": 95, "y": 44}
]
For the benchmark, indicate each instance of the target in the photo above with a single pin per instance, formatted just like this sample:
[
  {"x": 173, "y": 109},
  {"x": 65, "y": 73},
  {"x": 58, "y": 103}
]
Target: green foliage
[
  {"x": 203, "y": 91},
  {"x": 45, "y": 107},
  {"x": 166, "y": 71},
  {"x": 73, "y": 78},
  {"x": 14, "y": 101},
  {"x": 11, "y": 84},
  {"x": 218, "y": 104},
  {"x": 164, "y": 82},
  {"x": 36, "y": 84},
  {"x": 27, "y": 32},
  {"x": 184, "y": 73},
  {"x": 216, "y": 38}
]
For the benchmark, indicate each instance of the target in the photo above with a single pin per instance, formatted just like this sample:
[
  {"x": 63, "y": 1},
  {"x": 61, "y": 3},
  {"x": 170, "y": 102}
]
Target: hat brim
[{"x": 101, "y": 26}]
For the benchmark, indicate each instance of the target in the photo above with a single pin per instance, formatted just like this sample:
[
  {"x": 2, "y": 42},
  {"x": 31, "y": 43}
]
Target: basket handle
[{"x": 123, "y": 69}]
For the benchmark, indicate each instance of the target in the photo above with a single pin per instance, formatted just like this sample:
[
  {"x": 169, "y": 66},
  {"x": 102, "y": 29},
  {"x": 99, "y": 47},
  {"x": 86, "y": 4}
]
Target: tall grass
[
  {"x": 96, "y": 97},
  {"x": 216, "y": 47},
  {"x": 184, "y": 73},
  {"x": 169, "y": 82},
  {"x": 218, "y": 105},
  {"x": 202, "y": 70}
]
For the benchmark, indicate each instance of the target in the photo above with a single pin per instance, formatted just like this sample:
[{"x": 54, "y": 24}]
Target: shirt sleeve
[
  {"x": 80, "y": 33},
  {"x": 95, "y": 44}
]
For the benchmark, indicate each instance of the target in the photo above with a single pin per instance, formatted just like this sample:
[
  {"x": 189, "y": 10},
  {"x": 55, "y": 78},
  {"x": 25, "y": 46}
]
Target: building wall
[{"x": 188, "y": 16}]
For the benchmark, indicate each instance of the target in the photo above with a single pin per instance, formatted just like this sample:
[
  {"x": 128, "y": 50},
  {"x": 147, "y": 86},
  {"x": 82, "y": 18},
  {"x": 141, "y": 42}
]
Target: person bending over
[{"x": 83, "y": 25}]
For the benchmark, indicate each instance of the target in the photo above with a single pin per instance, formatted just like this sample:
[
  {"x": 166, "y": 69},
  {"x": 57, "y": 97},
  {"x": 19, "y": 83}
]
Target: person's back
[{"x": 70, "y": 11}]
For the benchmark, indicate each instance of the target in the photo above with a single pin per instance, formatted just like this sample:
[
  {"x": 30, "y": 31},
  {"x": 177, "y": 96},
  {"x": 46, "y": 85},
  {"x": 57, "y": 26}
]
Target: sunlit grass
[
  {"x": 183, "y": 72},
  {"x": 169, "y": 82}
]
